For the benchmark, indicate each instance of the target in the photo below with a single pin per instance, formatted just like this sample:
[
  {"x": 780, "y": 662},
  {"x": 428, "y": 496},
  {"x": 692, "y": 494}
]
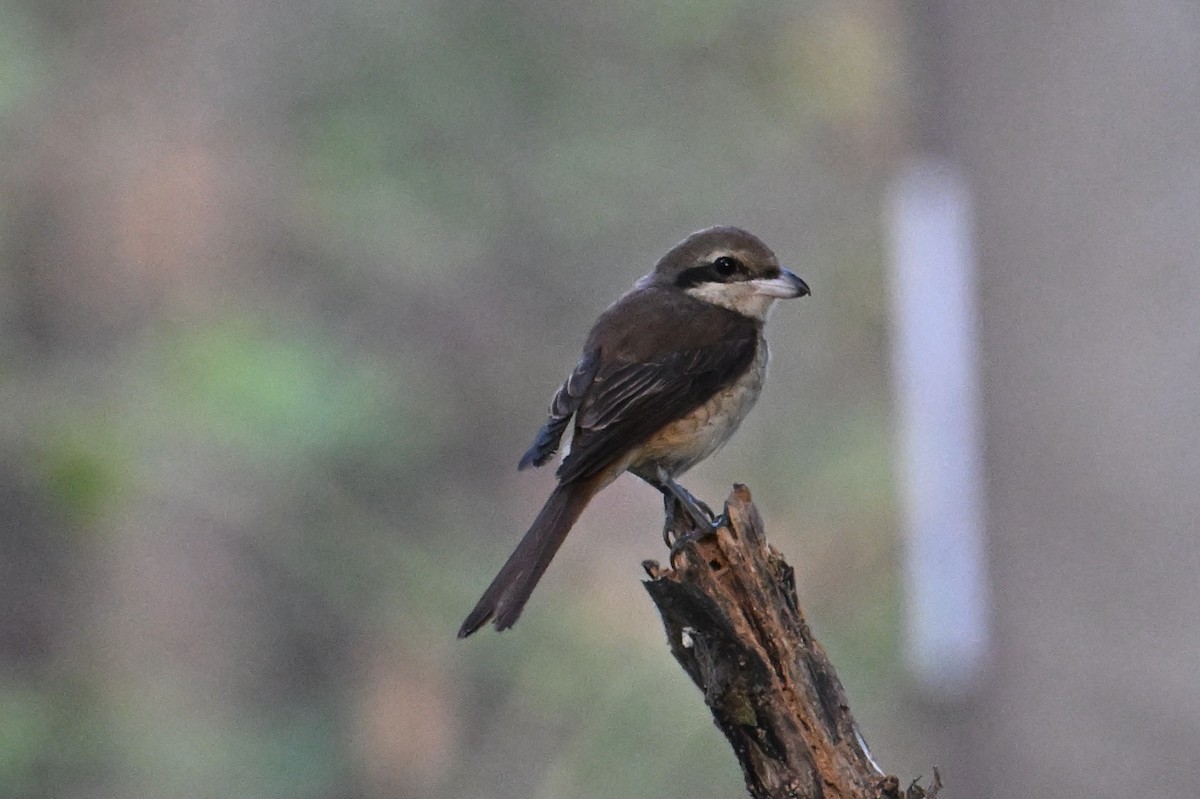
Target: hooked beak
[{"x": 784, "y": 287}]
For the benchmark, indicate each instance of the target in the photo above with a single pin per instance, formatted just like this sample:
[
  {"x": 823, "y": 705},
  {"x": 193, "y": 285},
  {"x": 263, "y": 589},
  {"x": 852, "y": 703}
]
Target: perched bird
[{"x": 668, "y": 373}]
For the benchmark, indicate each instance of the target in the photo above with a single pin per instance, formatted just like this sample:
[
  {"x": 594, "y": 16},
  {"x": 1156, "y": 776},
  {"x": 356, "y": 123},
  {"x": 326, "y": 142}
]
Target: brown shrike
[{"x": 668, "y": 373}]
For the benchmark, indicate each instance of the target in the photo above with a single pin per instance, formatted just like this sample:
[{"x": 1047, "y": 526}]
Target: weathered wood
[{"x": 734, "y": 623}]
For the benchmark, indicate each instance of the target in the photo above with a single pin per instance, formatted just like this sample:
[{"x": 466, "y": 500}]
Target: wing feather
[
  {"x": 566, "y": 401},
  {"x": 630, "y": 401}
]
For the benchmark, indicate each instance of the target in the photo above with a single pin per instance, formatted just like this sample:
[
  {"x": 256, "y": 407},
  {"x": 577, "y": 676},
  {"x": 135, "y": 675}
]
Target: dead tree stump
[{"x": 733, "y": 622}]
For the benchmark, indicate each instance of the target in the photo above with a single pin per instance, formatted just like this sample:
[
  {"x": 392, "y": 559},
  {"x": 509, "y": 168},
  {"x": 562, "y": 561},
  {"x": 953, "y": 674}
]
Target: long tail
[{"x": 506, "y": 596}]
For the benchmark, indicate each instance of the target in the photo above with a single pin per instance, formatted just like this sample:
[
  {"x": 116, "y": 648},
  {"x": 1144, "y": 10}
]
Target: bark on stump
[{"x": 733, "y": 622}]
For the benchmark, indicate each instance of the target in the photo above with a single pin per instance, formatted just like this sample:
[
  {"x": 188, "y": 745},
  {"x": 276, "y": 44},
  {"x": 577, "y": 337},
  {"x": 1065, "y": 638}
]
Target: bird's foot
[
  {"x": 680, "y": 508},
  {"x": 688, "y": 521},
  {"x": 685, "y": 538}
]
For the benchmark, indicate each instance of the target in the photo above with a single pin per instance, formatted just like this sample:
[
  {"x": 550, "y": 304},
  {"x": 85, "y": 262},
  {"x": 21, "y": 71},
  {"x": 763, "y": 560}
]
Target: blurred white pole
[{"x": 937, "y": 381}]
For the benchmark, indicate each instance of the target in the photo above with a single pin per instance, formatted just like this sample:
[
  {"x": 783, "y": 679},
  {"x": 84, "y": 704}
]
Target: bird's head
[{"x": 729, "y": 267}]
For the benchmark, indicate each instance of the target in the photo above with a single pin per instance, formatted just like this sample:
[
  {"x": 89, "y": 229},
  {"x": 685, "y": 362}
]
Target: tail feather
[{"x": 510, "y": 590}]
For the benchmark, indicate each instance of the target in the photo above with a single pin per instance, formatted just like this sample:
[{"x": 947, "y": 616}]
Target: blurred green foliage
[
  {"x": 25, "y": 737},
  {"x": 284, "y": 393},
  {"x": 81, "y": 472}
]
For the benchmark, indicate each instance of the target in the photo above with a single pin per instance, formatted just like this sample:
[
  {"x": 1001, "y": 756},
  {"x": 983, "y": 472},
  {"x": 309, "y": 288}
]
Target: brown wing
[{"x": 630, "y": 401}]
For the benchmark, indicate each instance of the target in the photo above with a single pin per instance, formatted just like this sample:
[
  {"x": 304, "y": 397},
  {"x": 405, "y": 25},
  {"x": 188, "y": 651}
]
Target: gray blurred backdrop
[{"x": 285, "y": 288}]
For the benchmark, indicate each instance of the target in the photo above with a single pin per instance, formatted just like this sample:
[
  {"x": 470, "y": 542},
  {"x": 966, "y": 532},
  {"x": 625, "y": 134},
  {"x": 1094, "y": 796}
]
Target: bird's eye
[{"x": 726, "y": 266}]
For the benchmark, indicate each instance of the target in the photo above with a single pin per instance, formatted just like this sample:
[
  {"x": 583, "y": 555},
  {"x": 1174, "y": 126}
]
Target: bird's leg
[
  {"x": 675, "y": 520},
  {"x": 703, "y": 519}
]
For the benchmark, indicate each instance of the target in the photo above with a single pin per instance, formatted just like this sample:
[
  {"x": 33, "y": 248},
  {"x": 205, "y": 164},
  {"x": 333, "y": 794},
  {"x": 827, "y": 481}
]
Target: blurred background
[{"x": 285, "y": 289}]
